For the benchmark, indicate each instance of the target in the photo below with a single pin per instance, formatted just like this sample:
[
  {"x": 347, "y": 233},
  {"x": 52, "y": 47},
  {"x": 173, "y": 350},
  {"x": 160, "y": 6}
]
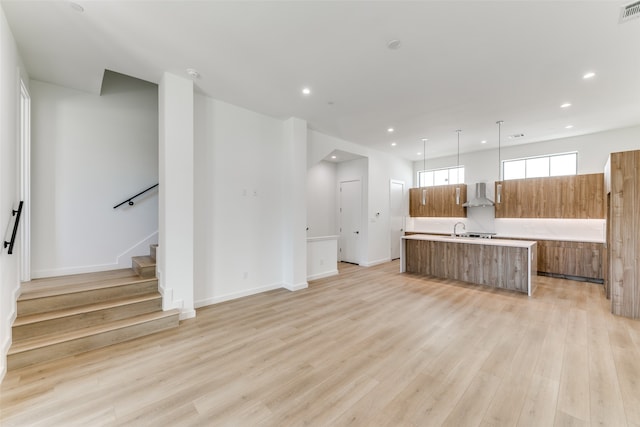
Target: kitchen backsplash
[{"x": 577, "y": 230}]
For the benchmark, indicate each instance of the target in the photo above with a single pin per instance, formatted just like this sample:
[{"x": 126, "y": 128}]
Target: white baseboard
[
  {"x": 227, "y": 297},
  {"x": 322, "y": 275},
  {"x": 376, "y": 262},
  {"x": 3, "y": 360},
  {"x": 296, "y": 287},
  {"x": 6, "y": 344},
  {"x": 187, "y": 314}
]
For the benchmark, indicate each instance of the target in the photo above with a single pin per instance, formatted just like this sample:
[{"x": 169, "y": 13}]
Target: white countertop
[{"x": 472, "y": 240}]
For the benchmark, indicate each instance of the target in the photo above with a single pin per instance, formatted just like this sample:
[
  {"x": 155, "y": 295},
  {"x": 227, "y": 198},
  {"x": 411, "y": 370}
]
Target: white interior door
[
  {"x": 396, "y": 216},
  {"x": 350, "y": 220}
]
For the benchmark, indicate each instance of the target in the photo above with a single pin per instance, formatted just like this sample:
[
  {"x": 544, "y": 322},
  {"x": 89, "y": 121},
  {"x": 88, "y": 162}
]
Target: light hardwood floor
[{"x": 370, "y": 347}]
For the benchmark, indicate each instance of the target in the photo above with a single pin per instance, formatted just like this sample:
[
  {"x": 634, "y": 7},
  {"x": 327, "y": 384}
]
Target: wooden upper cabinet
[
  {"x": 440, "y": 201},
  {"x": 575, "y": 196}
]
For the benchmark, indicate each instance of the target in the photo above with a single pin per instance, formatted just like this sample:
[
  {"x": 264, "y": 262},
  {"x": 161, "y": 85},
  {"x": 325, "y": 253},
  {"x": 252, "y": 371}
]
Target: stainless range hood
[{"x": 481, "y": 200}]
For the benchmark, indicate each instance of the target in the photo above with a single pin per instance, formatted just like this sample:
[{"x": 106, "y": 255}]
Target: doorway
[
  {"x": 396, "y": 216},
  {"x": 350, "y": 221}
]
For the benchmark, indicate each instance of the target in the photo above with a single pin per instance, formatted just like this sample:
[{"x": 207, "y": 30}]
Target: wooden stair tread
[
  {"x": 39, "y": 342},
  {"x": 144, "y": 261},
  {"x": 46, "y": 282},
  {"x": 103, "y": 305},
  {"x": 69, "y": 288}
]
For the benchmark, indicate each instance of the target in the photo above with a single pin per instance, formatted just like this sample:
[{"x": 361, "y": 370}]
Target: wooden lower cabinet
[{"x": 572, "y": 259}]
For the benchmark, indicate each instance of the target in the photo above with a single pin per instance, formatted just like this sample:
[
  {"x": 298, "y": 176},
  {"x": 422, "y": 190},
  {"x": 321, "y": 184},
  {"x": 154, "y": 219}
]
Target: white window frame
[
  {"x": 450, "y": 170},
  {"x": 547, "y": 156}
]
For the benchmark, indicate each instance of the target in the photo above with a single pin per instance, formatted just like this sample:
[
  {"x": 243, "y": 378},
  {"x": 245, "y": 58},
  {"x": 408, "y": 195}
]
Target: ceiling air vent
[{"x": 629, "y": 12}]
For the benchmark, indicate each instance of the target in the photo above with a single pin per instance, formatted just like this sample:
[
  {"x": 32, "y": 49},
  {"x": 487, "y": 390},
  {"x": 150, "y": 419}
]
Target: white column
[
  {"x": 176, "y": 232},
  {"x": 295, "y": 205}
]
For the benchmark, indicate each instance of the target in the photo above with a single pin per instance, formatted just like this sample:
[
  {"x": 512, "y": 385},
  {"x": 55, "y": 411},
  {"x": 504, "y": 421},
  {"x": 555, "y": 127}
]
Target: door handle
[{"x": 356, "y": 232}]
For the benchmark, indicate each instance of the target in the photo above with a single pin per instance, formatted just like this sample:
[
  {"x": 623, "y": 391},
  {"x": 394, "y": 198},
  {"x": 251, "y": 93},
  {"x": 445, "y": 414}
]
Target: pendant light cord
[
  {"x": 499, "y": 123},
  {"x": 458, "y": 167},
  {"x": 424, "y": 157}
]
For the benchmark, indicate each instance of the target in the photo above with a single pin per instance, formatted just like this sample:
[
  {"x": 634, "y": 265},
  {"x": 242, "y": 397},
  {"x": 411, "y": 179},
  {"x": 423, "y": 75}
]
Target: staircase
[{"x": 62, "y": 316}]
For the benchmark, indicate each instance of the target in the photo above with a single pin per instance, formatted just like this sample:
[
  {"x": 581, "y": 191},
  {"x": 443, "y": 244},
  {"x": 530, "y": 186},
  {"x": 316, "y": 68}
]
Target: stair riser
[
  {"x": 146, "y": 272},
  {"x": 92, "y": 342},
  {"x": 84, "y": 320},
  {"x": 58, "y": 302}
]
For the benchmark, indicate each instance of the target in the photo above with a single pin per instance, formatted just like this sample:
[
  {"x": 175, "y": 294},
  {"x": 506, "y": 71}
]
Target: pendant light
[
  {"x": 499, "y": 186},
  {"x": 424, "y": 168},
  {"x": 458, "y": 170}
]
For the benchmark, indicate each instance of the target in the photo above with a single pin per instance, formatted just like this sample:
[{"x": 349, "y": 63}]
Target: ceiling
[{"x": 460, "y": 65}]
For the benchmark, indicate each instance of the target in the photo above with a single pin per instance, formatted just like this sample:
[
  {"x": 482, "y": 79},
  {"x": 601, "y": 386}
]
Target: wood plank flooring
[{"x": 369, "y": 347}]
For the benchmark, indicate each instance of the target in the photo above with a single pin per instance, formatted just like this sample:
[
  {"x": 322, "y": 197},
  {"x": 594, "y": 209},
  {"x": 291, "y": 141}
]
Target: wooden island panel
[{"x": 501, "y": 267}]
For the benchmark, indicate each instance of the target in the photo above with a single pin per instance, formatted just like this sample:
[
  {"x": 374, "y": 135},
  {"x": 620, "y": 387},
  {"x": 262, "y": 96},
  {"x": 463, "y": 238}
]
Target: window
[
  {"x": 541, "y": 166},
  {"x": 445, "y": 176}
]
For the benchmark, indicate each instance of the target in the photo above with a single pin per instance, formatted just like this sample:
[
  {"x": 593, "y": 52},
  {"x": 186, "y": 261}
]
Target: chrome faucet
[{"x": 455, "y": 234}]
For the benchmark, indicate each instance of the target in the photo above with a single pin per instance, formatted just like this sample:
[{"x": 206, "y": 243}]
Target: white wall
[
  {"x": 89, "y": 153},
  {"x": 380, "y": 169},
  {"x": 322, "y": 257},
  {"x": 321, "y": 200},
  {"x": 294, "y": 207},
  {"x": 383, "y": 169},
  {"x": 240, "y": 158},
  {"x": 175, "y": 262},
  {"x": 10, "y": 70}
]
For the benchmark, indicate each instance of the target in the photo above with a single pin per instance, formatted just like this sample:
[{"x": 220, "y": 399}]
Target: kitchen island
[{"x": 504, "y": 264}]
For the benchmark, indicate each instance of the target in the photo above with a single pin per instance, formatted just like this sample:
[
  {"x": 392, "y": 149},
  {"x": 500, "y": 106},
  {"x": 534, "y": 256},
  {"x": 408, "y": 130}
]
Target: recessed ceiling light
[
  {"x": 193, "y": 73},
  {"x": 76, "y": 7},
  {"x": 393, "y": 44},
  {"x": 484, "y": 141},
  {"x": 390, "y": 130},
  {"x": 393, "y": 144},
  {"x": 568, "y": 126},
  {"x": 333, "y": 157},
  {"x": 566, "y": 105},
  {"x": 306, "y": 91},
  {"x": 589, "y": 75},
  {"x": 419, "y": 154}
]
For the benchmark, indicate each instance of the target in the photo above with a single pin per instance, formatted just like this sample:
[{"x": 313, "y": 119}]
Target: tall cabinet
[{"x": 622, "y": 195}]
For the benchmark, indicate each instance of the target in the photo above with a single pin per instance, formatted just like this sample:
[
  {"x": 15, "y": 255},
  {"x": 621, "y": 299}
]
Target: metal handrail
[
  {"x": 17, "y": 214},
  {"x": 130, "y": 199}
]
